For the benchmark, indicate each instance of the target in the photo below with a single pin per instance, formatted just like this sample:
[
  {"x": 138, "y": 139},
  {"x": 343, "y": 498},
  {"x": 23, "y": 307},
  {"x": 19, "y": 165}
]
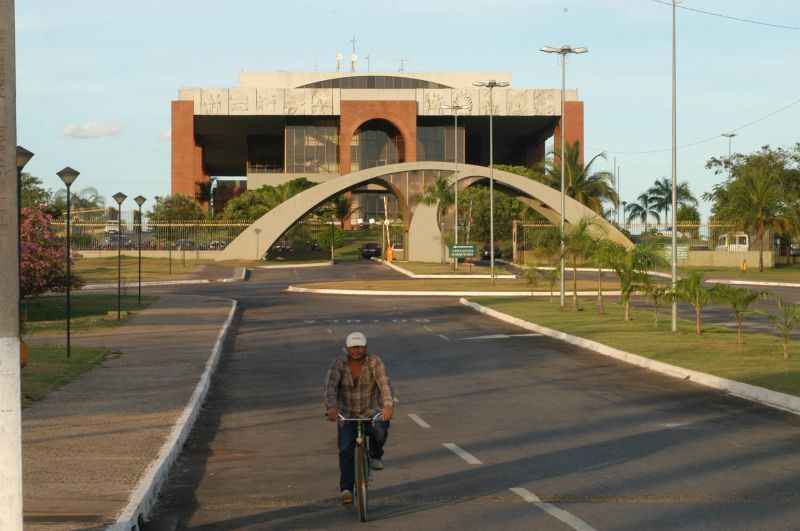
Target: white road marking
[
  {"x": 500, "y": 336},
  {"x": 463, "y": 454},
  {"x": 444, "y": 337},
  {"x": 310, "y": 322},
  {"x": 330, "y": 331},
  {"x": 571, "y": 520},
  {"x": 418, "y": 421}
]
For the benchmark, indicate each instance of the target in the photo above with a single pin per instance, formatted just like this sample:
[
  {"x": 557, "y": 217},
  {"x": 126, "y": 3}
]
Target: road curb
[
  {"x": 144, "y": 496},
  {"x": 753, "y": 393},
  {"x": 237, "y": 277},
  {"x": 754, "y": 283},
  {"x": 292, "y": 266},
  {"x": 364, "y": 292},
  {"x": 409, "y": 274}
]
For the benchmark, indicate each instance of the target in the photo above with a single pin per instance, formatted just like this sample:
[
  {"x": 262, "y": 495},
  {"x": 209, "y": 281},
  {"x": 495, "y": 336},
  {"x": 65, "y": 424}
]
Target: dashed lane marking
[
  {"x": 568, "y": 518},
  {"x": 418, "y": 421},
  {"x": 463, "y": 454},
  {"x": 444, "y": 337},
  {"x": 500, "y": 336}
]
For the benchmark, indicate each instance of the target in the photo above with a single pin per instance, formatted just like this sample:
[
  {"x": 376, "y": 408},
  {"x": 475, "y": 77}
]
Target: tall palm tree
[
  {"x": 582, "y": 183},
  {"x": 661, "y": 196},
  {"x": 642, "y": 210},
  {"x": 440, "y": 193},
  {"x": 343, "y": 208}
]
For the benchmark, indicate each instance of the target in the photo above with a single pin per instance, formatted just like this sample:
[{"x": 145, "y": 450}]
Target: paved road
[{"x": 603, "y": 445}]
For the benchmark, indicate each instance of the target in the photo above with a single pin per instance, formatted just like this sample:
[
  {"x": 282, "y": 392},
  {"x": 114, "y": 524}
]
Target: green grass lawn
[
  {"x": 758, "y": 362},
  {"x": 48, "y": 314},
  {"x": 102, "y": 270},
  {"x": 48, "y": 368}
]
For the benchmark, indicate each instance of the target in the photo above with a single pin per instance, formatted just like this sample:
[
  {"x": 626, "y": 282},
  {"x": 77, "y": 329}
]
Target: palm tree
[
  {"x": 343, "y": 208},
  {"x": 604, "y": 254},
  {"x": 578, "y": 245},
  {"x": 581, "y": 182},
  {"x": 661, "y": 196},
  {"x": 740, "y": 300},
  {"x": 657, "y": 294},
  {"x": 631, "y": 266},
  {"x": 692, "y": 290},
  {"x": 785, "y": 321},
  {"x": 642, "y": 210}
]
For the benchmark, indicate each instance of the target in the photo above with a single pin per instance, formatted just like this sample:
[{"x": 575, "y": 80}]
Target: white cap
[{"x": 356, "y": 339}]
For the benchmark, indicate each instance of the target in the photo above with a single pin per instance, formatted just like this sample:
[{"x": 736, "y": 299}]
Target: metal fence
[{"x": 690, "y": 238}]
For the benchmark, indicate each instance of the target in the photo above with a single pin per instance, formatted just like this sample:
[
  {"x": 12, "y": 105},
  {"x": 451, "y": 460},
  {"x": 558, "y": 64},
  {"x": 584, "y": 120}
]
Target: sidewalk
[{"x": 87, "y": 444}]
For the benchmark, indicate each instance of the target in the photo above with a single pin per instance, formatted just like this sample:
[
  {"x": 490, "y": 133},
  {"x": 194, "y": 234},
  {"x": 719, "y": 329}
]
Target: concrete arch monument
[{"x": 424, "y": 235}]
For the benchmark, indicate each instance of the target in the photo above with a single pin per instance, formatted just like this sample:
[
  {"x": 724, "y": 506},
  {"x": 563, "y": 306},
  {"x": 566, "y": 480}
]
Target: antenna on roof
[
  {"x": 353, "y": 56},
  {"x": 368, "y": 57},
  {"x": 403, "y": 65},
  {"x": 339, "y": 58}
]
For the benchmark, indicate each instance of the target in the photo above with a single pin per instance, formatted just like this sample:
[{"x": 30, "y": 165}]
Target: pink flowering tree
[{"x": 43, "y": 255}]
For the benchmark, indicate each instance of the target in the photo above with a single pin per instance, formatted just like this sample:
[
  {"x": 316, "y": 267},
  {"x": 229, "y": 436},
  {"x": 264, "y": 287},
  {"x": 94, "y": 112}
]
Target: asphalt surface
[{"x": 603, "y": 445}]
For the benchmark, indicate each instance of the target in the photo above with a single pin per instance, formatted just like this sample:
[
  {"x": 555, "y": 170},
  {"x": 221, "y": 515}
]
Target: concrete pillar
[
  {"x": 187, "y": 156},
  {"x": 10, "y": 416},
  {"x": 573, "y": 123}
]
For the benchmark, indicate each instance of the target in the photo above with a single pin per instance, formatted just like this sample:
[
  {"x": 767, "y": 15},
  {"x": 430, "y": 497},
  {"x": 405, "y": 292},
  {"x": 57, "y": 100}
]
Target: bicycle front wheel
[{"x": 361, "y": 482}]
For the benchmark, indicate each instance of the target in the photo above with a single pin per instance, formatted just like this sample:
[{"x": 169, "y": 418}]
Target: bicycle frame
[{"x": 362, "y": 461}]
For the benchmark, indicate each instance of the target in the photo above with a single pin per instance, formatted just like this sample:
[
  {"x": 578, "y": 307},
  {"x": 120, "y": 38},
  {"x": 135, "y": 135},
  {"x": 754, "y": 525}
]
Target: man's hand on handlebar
[
  {"x": 387, "y": 413},
  {"x": 332, "y": 414}
]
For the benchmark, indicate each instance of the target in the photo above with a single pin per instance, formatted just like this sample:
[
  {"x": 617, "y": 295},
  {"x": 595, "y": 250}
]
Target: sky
[{"x": 95, "y": 78}]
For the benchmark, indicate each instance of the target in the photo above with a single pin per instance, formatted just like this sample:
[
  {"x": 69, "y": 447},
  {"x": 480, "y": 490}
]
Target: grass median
[
  {"x": 104, "y": 270},
  {"x": 47, "y": 315},
  {"x": 781, "y": 273},
  {"x": 48, "y": 368},
  {"x": 758, "y": 362},
  {"x": 455, "y": 284},
  {"x": 466, "y": 269}
]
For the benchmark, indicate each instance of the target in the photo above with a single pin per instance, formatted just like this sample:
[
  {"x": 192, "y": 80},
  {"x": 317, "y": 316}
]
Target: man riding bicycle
[{"x": 357, "y": 386}]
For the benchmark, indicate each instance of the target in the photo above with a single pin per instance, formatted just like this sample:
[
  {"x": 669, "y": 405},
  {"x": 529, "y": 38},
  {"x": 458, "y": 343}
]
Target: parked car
[
  {"x": 184, "y": 245},
  {"x": 485, "y": 254},
  {"x": 370, "y": 250},
  {"x": 217, "y": 245},
  {"x": 113, "y": 239},
  {"x": 738, "y": 242}
]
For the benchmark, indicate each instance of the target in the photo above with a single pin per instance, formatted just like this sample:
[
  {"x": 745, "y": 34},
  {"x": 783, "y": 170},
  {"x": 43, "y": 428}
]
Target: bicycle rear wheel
[{"x": 361, "y": 481}]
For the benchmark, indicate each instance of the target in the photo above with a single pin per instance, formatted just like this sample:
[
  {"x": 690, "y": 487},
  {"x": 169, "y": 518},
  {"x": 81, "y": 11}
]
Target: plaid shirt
[{"x": 358, "y": 399}]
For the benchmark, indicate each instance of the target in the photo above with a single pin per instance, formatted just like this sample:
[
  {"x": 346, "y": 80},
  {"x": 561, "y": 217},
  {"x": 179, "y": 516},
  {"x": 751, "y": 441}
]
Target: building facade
[{"x": 275, "y": 127}]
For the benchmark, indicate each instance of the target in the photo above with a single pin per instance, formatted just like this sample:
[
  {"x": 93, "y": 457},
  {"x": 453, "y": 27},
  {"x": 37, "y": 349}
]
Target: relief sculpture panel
[
  {"x": 270, "y": 101},
  {"x": 242, "y": 101},
  {"x": 214, "y": 101}
]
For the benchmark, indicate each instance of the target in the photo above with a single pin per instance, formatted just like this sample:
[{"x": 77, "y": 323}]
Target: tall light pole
[
  {"x": 140, "y": 201},
  {"x": 563, "y": 51},
  {"x": 23, "y": 157},
  {"x": 119, "y": 197},
  {"x": 68, "y": 176},
  {"x": 730, "y": 137},
  {"x": 491, "y": 84},
  {"x": 455, "y": 108},
  {"x": 674, "y": 167}
]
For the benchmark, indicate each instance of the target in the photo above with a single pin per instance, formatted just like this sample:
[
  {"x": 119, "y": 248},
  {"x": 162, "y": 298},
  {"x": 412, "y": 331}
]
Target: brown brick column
[
  {"x": 573, "y": 120},
  {"x": 187, "y": 156},
  {"x": 401, "y": 114}
]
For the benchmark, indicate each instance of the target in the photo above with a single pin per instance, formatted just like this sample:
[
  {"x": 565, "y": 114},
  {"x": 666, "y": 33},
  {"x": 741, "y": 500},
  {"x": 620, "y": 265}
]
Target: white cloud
[
  {"x": 92, "y": 130},
  {"x": 166, "y": 135}
]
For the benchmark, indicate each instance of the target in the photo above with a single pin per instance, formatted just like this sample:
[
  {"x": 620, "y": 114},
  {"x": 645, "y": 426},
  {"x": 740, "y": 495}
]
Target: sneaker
[
  {"x": 347, "y": 497},
  {"x": 376, "y": 464}
]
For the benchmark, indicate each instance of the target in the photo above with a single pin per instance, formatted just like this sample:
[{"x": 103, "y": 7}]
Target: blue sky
[{"x": 95, "y": 78}]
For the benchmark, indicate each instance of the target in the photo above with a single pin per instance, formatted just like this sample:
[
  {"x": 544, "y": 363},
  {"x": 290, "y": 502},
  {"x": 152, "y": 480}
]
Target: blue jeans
[{"x": 377, "y": 432}]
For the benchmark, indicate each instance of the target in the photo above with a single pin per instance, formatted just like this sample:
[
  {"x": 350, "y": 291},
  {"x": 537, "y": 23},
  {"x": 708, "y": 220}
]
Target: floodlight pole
[
  {"x": 674, "y": 170},
  {"x": 563, "y": 51},
  {"x": 119, "y": 198},
  {"x": 140, "y": 201},
  {"x": 68, "y": 176},
  {"x": 455, "y": 109},
  {"x": 729, "y": 136}
]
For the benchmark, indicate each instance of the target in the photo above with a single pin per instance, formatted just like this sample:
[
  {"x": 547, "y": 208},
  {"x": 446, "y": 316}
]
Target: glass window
[{"x": 379, "y": 82}]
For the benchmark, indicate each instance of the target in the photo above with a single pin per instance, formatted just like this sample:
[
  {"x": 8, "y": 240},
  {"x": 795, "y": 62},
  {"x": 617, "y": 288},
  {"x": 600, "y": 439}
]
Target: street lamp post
[
  {"x": 23, "y": 157},
  {"x": 491, "y": 84},
  {"x": 455, "y": 108},
  {"x": 730, "y": 137},
  {"x": 674, "y": 168},
  {"x": 140, "y": 201},
  {"x": 258, "y": 242},
  {"x": 68, "y": 176},
  {"x": 119, "y": 197},
  {"x": 563, "y": 51}
]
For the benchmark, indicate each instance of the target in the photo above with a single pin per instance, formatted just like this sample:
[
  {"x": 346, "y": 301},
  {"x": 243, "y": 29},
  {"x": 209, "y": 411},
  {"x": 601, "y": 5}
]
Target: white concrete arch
[{"x": 254, "y": 241}]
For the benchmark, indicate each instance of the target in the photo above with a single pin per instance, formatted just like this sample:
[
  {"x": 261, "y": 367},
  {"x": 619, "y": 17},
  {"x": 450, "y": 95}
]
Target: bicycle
[{"x": 362, "y": 459}]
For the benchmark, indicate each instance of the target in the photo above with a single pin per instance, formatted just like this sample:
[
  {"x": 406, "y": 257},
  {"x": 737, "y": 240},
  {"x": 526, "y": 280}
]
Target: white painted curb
[
  {"x": 467, "y": 276},
  {"x": 292, "y": 266},
  {"x": 144, "y": 496},
  {"x": 240, "y": 276},
  {"x": 753, "y": 393},
  {"x": 753, "y": 283},
  {"x": 237, "y": 277},
  {"x": 366, "y": 292}
]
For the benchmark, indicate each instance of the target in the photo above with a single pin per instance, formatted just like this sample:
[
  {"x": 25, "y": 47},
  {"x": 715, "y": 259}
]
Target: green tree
[
  {"x": 582, "y": 183},
  {"x": 253, "y": 204},
  {"x": 441, "y": 194},
  {"x": 603, "y": 254},
  {"x": 642, "y": 210},
  {"x": 343, "y": 208},
  {"x": 740, "y": 300},
  {"x": 692, "y": 290},
  {"x": 175, "y": 207},
  {"x": 632, "y": 266},
  {"x": 661, "y": 196},
  {"x": 753, "y": 199},
  {"x": 657, "y": 294},
  {"x": 785, "y": 321},
  {"x": 32, "y": 192}
]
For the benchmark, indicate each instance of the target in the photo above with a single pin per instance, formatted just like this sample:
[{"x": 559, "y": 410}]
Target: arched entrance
[{"x": 376, "y": 143}]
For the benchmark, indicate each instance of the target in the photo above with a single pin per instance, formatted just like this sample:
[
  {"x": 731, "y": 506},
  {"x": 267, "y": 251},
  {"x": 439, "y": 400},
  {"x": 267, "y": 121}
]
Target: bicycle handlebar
[{"x": 378, "y": 415}]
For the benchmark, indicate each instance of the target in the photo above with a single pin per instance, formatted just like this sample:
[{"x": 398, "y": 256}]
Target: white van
[{"x": 738, "y": 242}]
